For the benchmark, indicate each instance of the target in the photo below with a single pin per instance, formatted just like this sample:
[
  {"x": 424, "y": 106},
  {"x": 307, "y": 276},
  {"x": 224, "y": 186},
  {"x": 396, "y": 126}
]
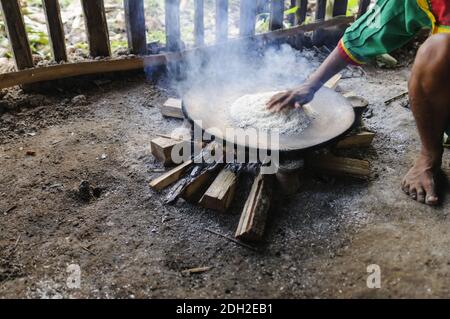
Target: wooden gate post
[
  {"x": 173, "y": 34},
  {"x": 55, "y": 29},
  {"x": 17, "y": 34},
  {"x": 135, "y": 25},
  {"x": 96, "y": 27}
]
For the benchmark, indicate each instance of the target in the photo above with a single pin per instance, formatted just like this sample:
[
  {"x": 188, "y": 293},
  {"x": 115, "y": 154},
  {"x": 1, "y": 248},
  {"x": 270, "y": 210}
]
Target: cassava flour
[{"x": 251, "y": 111}]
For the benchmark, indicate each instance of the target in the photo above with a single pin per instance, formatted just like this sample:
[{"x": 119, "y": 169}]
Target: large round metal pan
[{"x": 331, "y": 115}]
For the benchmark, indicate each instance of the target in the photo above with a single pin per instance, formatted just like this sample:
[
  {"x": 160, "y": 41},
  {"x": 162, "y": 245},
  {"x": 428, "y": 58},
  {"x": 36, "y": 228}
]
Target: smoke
[{"x": 240, "y": 68}]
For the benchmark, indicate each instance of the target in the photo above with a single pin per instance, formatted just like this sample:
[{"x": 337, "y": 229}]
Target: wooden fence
[{"x": 97, "y": 29}]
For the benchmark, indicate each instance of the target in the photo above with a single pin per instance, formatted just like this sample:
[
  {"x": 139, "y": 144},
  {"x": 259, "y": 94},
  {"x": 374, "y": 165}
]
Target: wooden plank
[
  {"x": 173, "y": 108},
  {"x": 17, "y": 34},
  {"x": 340, "y": 8},
  {"x": 276, "y": 14},
  {"x": 171, "y": 176},
  {"x": 221, "y": 20},
  {"x": 96, "y": 27},
  {"x": 341, "y": 166},
  {"x": 172, "y": 22},
  {"x": 199, "y": 22},
  {"x": 55, "y": 29},
  {"x": 162, "y": 147},
  {"x": 55, "y": 72},
  {"x": 135, "y": 25},
  {"x": 291, "y": 17},
  {"x": 254, "y": 215},
  {"x": 359, "y": 140},
  {"x": 300, "y": 15},
  {"x": 363, "y": 6},
  {"x": 321, "y": 7},
  {"x": 221, "y": 192},
  {"x": 333, "y": 82},
  {"x": 247, "y": 21}
]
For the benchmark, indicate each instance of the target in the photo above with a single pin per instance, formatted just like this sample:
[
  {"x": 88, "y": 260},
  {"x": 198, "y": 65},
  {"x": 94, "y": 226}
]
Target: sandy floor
[{"x": 128, "y": 244}]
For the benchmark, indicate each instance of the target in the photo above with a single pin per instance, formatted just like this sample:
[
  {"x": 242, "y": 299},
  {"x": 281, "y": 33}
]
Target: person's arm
[
  {"x": 384, "y": 28},
  {"x": 305, "y": 92}
]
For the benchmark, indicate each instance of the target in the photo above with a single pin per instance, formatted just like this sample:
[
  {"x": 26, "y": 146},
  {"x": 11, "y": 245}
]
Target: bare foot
[{"x": 419, "y": 183}]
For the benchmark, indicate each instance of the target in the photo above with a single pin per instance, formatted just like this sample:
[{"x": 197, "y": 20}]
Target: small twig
[
  {"x": 392, "y": 99},
  {"x": 11, "y": 209},
  {"x": 232, "y": 239},
  {"x": 88, "y": 250},
  {"x": 56, "y": 142},
  {"x": 197, "y": 270},
  {"x": 171, "y": 137},
  {"x": 17, "y": 242}
]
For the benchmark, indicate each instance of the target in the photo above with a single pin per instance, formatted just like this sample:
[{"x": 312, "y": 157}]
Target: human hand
[{"x": 291, "y": 99}]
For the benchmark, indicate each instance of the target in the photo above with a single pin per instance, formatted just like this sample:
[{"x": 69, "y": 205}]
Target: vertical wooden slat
[
  {"x": 55, "y": 29},
  {"x": 96, "y": 27},
  {"x": 363, "y": 6},
  {"x": 276, "y": 14},
  {"x": 221, "y": 20},
  {"x": 300, "y": 16},
  {"x": 17, "y": 35},
  {"x": 199, "y": 22},
  {"x": 135, "y": 25},
  {"x": 247, "y": 19},
  {"x": 340, "y": 8},
  {"x": 321, "y": 7},
  {"x": 291, "y": 17},
  {"x": 173, "y": 34}
]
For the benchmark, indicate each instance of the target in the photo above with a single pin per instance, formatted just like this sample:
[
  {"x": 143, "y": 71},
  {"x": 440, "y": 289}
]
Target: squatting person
[{"x": 386, "y": 27}]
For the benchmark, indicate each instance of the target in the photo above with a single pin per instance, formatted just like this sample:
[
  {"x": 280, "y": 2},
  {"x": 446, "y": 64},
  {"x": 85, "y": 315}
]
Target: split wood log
[
  {"x": 221, "y": 192},
  {"x": 199, "y": 22},
  {"x": 333, "y": 82},
  {"x": 276, "y": 14},
  {"x": 96, "y": 27},
  {"x": 171, "y": 176},
  {"x": 254, "y": 215},
  {"x": 359, "y": 140},
  {"x": 17, "y": 34},
  {"x": 194, "y": 191},
  {"x": 55, "y": 29},
  {"x": 221, "y": 20},
  {"x": 135, "y": 26},
  {"x": 55, "y": 72},
  {"x": 161, "y": 149},
  {"x": 202, "y": 176},
  {"x": 172, "y": 22},
  {"x": 340, "y": 166},
  {"x": 173, "y": 108}
]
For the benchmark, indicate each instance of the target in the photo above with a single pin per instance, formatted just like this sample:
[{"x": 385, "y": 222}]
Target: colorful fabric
[{"x": 390, "y": 24}]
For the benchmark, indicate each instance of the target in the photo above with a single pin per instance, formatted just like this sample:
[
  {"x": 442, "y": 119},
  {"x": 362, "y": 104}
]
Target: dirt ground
[{"x": 128, "y": 244}]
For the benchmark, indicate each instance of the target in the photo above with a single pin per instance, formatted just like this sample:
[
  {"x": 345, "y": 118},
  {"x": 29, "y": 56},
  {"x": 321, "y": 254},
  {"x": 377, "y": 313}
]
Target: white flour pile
[{"x": 251, "y": 111}]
